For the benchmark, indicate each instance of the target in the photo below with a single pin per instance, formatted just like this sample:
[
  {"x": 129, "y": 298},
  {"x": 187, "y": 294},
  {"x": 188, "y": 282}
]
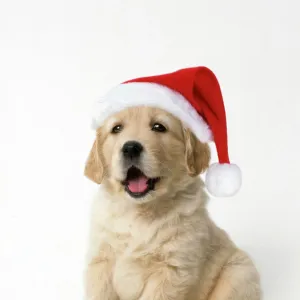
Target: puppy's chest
[{"x": 128, "y": 235}]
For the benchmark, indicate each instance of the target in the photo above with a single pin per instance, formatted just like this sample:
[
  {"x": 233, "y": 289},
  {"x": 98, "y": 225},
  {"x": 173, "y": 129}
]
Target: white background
[{"x": 57, "y": 57}]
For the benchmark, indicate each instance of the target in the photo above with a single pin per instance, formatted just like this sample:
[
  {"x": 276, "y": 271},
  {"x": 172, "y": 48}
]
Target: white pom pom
[{"x": 223, "y": 180}]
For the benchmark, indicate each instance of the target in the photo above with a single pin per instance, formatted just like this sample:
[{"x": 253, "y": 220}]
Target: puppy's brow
[
  {"x": 166, "y": 120},
  {"x": 112, "y": 122}
]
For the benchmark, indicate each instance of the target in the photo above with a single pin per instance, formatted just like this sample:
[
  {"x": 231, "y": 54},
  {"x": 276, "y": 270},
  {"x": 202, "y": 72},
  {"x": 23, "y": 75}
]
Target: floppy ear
[
  {"x": 94, "y": 166},
  {"x": 197, "y": 154}
]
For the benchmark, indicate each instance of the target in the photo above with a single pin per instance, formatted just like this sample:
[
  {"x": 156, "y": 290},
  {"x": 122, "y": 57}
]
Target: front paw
[{"x": 98, "y": 284}]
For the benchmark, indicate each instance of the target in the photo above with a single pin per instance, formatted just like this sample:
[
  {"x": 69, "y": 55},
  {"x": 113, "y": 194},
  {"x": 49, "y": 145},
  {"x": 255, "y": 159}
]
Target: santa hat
[{"x": 194, "y": 96}]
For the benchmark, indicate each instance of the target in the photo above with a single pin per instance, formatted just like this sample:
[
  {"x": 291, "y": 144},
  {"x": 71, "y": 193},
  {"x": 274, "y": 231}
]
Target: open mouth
[{"x": 137, "y": 184}]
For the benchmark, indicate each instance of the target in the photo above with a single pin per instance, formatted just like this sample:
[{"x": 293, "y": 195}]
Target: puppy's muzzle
[{"x": 132, "y": 150}]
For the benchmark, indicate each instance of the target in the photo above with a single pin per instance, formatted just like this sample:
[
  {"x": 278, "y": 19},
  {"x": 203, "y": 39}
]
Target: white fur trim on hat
[
  {"x": 223, "y": 180},
  {"x": 153, "y": 95}
]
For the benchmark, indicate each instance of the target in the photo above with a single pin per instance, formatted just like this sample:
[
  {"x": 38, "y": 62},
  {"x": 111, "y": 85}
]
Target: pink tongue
[{"x": 138, "y": 185}]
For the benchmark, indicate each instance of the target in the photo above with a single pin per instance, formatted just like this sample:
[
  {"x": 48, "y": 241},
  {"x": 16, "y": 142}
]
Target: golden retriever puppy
[{"x": 151, "y": 237}]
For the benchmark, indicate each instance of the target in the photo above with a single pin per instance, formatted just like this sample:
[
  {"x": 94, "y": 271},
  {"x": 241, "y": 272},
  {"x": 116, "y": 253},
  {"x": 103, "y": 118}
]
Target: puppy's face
[{"x": 144, "y": 154}]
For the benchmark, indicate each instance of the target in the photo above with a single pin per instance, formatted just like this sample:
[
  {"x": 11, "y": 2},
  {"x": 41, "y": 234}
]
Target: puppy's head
[{"x": 145, "y": 153}]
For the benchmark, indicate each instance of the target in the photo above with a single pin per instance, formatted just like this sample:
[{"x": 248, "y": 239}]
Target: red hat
[{"x": 194, "y": 96}]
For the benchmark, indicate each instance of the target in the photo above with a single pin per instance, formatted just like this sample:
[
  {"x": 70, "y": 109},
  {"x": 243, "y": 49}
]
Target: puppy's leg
[
  {"x": 98, "y": 277},
  {"x": 239, "y": 280}
]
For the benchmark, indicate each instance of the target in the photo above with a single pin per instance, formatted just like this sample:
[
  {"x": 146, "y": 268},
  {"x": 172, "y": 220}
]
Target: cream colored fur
[{"x": 163, "y": 247}]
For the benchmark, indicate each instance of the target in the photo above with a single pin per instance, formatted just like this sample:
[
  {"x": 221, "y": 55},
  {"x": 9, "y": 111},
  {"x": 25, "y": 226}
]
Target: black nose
[{"x": 132, "y": 149}]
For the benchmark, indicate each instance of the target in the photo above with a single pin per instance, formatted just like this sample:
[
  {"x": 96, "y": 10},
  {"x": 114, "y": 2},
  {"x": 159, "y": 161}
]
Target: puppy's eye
[
  {"x": 117, "y": 129},
  {"x": 159, "y": 128}
]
